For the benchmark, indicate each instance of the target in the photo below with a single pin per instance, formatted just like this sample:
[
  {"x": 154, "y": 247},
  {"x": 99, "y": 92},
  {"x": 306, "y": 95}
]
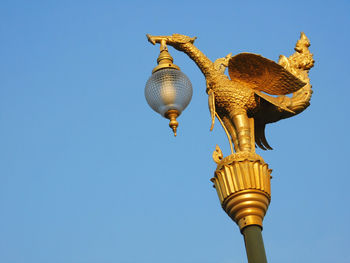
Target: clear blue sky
[{"x": 90, "y": 174}]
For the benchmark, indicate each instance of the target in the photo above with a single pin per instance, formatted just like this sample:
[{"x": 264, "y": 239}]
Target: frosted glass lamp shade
[{"x": 168, "y": 89}]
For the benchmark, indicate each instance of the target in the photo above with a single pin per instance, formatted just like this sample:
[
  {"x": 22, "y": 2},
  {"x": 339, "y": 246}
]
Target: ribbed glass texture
[{"x": 168, "y": 89}]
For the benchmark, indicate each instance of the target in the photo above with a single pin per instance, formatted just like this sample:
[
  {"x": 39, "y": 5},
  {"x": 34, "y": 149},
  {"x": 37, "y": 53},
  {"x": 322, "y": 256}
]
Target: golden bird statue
[{"x": 243, "y": 103}]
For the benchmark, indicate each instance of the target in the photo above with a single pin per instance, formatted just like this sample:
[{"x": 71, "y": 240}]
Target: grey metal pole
[{"x": 254, "y": 244}]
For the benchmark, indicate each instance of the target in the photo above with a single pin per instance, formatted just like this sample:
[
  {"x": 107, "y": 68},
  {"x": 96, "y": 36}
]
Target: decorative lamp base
[{"x": 242, "y": 181}]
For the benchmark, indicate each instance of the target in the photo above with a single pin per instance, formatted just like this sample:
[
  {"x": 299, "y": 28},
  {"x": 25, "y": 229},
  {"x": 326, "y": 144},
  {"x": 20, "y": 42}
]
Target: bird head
[{"x": 173, "y": 40}]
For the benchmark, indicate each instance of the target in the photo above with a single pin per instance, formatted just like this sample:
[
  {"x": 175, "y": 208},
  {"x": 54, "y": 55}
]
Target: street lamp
[
  {"x": 243, "y": 107},
  {"x": 168, "y": 91}
]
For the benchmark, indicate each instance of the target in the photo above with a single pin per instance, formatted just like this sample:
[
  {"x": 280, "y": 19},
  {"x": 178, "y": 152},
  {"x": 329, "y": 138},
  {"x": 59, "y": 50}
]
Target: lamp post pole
[
  {"x": 243, "y": 108},
  {"x": 254, "y": 244}
]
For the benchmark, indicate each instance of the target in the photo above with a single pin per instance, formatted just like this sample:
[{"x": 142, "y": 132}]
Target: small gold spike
[
  {"x": 172, "y": 115},
  {"x": 217, "y": 155}
]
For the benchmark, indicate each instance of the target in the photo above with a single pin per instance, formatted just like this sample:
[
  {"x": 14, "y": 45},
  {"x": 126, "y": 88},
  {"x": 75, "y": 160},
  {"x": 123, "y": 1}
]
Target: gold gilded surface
[
  {"x": 164, "y": 60},
  {"x": 241, "y": 103},
  {"x": 247, "y": 208},
  {"x": 172, "y": 115},
  {"x": 242, "y": 182}
]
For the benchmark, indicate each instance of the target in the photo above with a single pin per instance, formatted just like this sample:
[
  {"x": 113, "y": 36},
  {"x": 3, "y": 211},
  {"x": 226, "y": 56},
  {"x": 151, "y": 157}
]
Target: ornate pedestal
[{"x": 242, "y": 181}]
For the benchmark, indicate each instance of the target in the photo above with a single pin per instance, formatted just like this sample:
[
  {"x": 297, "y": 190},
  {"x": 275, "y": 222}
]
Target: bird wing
[
  {"x": 259, "y": 133},
  {"x": 269, "y": 107},
  {"x": 263, "y": 74},
  {"x": 273, "y": 100},
  {"x": 271, "y": 110}
]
